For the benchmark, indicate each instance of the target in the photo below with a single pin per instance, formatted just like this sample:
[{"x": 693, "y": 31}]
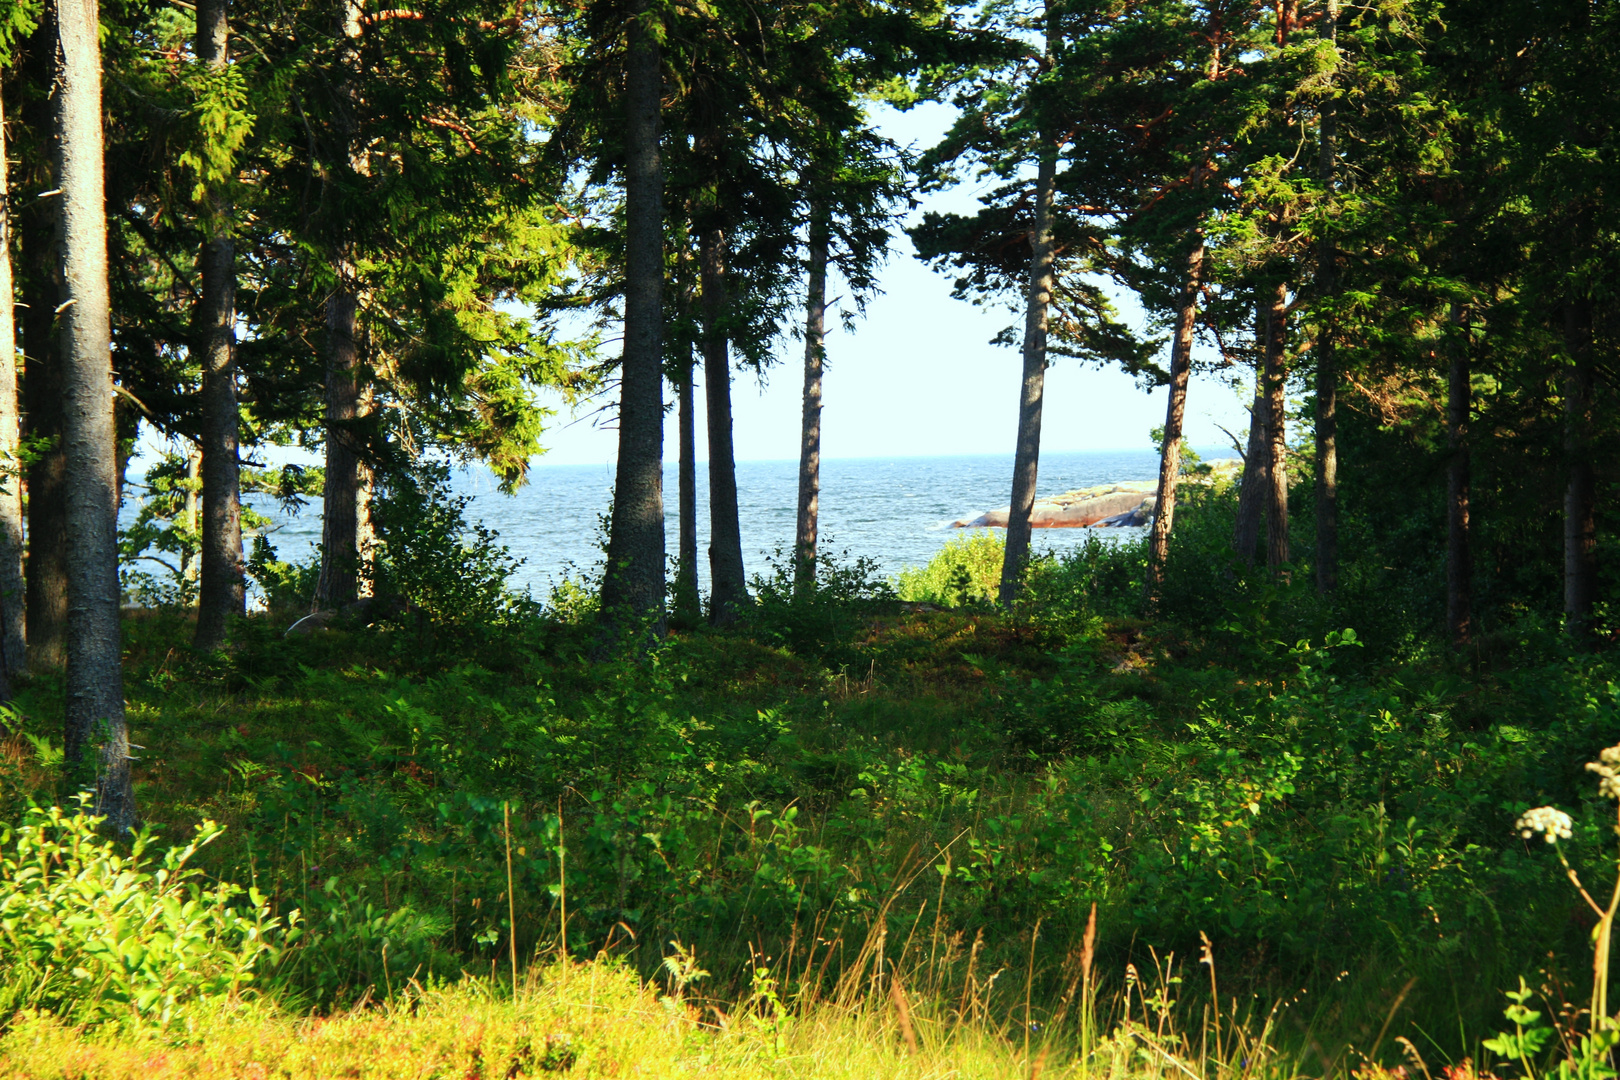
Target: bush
[
  {"x": 95, "y": 936},
  {"x": 818, "y": 619},
  {"x": 445, "y": 571},
  {"x": 967, "y": 570}
]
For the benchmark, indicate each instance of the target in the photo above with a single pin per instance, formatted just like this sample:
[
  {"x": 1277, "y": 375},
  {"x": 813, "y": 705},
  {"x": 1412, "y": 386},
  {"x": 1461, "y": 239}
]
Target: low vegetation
[{"x": 855, "y": 835}]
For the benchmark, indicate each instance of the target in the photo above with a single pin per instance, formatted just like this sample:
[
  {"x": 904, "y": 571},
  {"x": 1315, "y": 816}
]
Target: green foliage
[
  {"x": 99, "y": 935},
  {"x": 286, "y": 586},
  {"x": 440, "y": 569},
  {"x": 967, "y": 570},
  {"x": 816, "y": 620},
  {"x": 167, "y": 534}
]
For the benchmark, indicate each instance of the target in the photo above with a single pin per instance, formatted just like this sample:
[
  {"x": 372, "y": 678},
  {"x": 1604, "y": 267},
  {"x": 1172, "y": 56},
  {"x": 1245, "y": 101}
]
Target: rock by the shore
[
  {"x": 1106, "y": 506},
  {"x": 1073, "y": 509}
]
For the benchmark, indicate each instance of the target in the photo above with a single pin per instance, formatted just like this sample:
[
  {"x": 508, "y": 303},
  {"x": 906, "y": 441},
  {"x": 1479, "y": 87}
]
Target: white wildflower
[
  {"x": 1608, "y": 771},
  {"x": 1555, "y": 824}
]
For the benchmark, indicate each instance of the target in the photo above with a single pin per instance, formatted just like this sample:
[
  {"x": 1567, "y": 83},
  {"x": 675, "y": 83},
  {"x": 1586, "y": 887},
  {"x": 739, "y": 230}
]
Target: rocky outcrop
[
  {"x": 1088, "y": 507},
  {"x": 1108, "y": 506}
]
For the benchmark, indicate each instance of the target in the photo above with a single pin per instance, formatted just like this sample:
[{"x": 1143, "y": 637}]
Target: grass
[{"x": 599, "y": 1019}]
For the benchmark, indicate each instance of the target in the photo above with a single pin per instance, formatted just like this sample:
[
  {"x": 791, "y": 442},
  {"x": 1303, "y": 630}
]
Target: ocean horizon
[{"x": 896, "y": 511}]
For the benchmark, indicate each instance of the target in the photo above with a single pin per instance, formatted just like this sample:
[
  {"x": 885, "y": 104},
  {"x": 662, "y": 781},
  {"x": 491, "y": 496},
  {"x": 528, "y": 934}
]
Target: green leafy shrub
[
  {"x": 449, "y": 573},
  {"x": 97, "y": 936},
  {"x": 285, "y": 585},
  {"x": 967, "y": 570},
  {"x": 813, "y": 620}
]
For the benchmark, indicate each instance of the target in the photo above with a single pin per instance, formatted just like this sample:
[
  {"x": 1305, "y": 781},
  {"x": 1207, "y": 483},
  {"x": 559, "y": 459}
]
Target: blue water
[{"x": 896, "y": 511}]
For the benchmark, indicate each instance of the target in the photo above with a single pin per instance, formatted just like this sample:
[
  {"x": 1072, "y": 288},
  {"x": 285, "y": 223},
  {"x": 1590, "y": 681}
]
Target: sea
[{"x": 894, "y": 511}]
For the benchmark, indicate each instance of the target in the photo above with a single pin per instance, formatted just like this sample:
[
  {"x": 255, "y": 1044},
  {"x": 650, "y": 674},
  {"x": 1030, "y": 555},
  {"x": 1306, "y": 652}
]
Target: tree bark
[
  {"x": 815, "y": 354},
  {"x": 1327, "y": 371},
  {"x": 1257, "y": 455},
  {"x": 343, "y": 505},
  {"x": 46, "y": 577},
  {"x": 1459, "y": 555},
  {"x": 633, "y": 587},
  {"x": 1580, "y": 493},
  {"x": 13, "y": 655},
  {"x": 688, "y": 603},
  {"x": 95, "y": 682},
  {"x": 1164, "y": 505},
  {"x": 1277, "y": 429},
  {"x": 728, "y": 585},
  {"x": 1027, "y": 452},
  {"x": 222, "y": 592}
]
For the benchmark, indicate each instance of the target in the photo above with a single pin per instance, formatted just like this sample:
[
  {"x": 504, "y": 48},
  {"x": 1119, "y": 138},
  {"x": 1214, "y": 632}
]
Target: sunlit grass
[{"x": 599, "y": 1020}]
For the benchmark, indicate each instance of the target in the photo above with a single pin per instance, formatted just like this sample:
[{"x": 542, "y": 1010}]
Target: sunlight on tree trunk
[
  {"x": 1164, "y": 506},
  {"x": 222, "y": 593},
  {"x": 815, "y": 353},
  {"x": 97, "y": 747},
  {"x": 1580, "y": 493},
  {"x": 728, "y": 586},
  {"x": 1027, "y": 453},
  {"x": 633, "y": 587},
  {"x": 12, "y": 636},
  {"x": 1277, "y": 429}
]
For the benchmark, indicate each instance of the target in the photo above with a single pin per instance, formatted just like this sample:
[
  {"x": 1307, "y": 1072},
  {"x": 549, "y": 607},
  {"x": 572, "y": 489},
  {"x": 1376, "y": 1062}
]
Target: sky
[{"x": 919, "y": 377}]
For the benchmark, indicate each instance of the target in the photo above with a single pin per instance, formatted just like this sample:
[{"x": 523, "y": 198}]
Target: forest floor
[{"x": 852, "y": 840}]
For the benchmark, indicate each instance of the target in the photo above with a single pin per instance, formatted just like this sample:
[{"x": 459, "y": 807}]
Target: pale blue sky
[{"x": 918, "y": 376}]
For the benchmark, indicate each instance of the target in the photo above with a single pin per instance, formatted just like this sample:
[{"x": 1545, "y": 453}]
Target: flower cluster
[
  {"x": 1608, "y": 768},
  {"x": 1554, "y": 824}
]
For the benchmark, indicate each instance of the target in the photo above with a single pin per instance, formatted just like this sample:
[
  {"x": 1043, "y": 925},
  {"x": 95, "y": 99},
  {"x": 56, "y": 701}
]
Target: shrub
[
  {"x": 98, "y": 936},
  {"x": 817, "y": 619},
  {"x": 449, "y": 572},
  {"x": 967, "y": 570}
]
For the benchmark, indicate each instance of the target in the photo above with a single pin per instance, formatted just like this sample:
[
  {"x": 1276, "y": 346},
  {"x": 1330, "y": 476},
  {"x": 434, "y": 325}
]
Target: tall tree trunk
[
  {"x": 13, "y": 656},
  {"x": 96, "y": 744},
  {"x": 634, "y": 585},
  {"x": 1277, "y": 429},
  {"x": 688, "y": 602},
  {"x": 728, "y": 595},
  {"x": 815, "y": 355},
  {"x": 1257, "y": 455},
  {"x": 222, "y": 593},
  {"x": 343, "y": 503},
  {"x": 38, "y": 220},
  {"x": 1164, "y": 504},
  {"x": 1027, "y": 452},
  {"x": 1327, "y": 370},
  {"x": 1580, "y": 494},
  {"x": 1459, "y": 556},
  {"x": 345, "y": 497}
]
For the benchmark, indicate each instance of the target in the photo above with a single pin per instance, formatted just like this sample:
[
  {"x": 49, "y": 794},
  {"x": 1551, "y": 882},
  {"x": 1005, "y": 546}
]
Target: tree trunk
[
  {"x": 343, "y": 504},
  {"x": 1257, "y": 455},
  {"x": 728, "y": 586},
  {"x": 1027, "y": 452},
  {"x": 222, "y": 593},
  {"x": 189, "y": 569},
  {"x": 634, "y": 585},
  {"x": 815, "y": 354},
  {"x": 46, "y": 577},
  {"x": 1277, "y": 429},
  {"x": 1164, "y": 504},
  {"x": 1580, "y": 494},
  {"x": 96, "y": 744},
  {"x": 13, "y": 655},
  {"x": 1327, "y": 371},
  {"x": 688, "y": 603},
  {"x": 1459, "y": 557}
]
